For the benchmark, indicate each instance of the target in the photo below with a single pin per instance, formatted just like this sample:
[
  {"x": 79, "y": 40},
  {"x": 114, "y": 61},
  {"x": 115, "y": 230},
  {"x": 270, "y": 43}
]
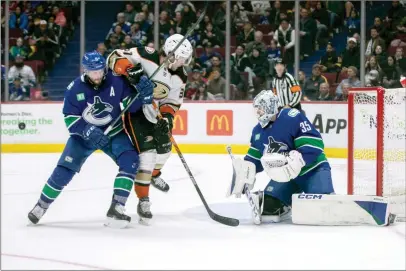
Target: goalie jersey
[
  {"x": 290, "y": 131},
  {"x": 83, "y": 104},
  {"x": 169, "y": 84}
]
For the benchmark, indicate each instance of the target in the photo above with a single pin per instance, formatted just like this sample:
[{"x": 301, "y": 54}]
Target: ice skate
[
  {"x": 36, "y": 213},
  {"x": 159, "y": 183},
  {"x": 116, "y": 217},
  {"x": 143, "y": 210}
]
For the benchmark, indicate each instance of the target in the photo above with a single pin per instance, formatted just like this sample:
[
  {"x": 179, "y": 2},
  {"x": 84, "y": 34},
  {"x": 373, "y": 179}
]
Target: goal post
[{"x": 377, "y": 143}]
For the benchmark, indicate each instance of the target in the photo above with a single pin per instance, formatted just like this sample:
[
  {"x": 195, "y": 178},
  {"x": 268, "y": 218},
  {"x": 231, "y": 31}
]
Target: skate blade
[
  {"x": 144, "y": 221},
  {"x": 116, "y": 224},
  {"x": 160, "y": 189},
  {"x": 257, "y": 219},
  {"x": 271, "y": 218},
  {"x": 276, "y": 218}
]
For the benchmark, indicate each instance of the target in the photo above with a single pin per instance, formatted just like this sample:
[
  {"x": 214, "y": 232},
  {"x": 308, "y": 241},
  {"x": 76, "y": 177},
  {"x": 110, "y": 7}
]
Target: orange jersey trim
[{"x": 165, "y": 108}]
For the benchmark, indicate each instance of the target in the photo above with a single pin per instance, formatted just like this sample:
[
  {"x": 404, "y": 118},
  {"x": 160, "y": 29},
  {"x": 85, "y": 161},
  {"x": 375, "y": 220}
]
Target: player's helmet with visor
[
  {"x": 265, "y": 106},
  {"x": 94, "y": 67},
  {"x": 183, "y": 53}
]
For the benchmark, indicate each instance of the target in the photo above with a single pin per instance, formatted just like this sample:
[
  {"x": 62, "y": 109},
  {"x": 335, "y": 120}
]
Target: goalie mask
[
  {"x": 265, "y": 106},
  {"x": 182, "y": 55}
]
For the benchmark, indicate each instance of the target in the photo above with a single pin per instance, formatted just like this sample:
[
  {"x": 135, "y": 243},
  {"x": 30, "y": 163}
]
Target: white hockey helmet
[
  {"x": 184, "y": 51},
  {"x": 266, "y": 106}
]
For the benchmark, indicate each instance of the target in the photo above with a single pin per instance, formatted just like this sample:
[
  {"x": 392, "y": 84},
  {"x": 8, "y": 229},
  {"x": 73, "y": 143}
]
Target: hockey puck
[{"x": 21, "y": 125}]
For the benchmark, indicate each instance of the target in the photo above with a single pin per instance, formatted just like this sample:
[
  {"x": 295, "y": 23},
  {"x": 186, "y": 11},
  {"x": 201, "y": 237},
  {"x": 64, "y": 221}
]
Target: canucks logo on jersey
[
  {"x": 274, "y": 146},
  {"x": 98, "y": 113}
]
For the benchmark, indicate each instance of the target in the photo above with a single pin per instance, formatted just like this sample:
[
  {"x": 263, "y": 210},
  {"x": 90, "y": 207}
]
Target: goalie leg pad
[{"x": 335, "y": 210}]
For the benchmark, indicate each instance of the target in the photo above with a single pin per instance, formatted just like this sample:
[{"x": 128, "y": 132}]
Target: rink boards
[{"x": 199, "y": 127}]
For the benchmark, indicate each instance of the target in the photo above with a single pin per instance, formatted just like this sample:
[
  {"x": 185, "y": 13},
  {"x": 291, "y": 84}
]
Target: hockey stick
[
  {"x": 255, "y": 211},
  {"x": 171, "y": 54},
  {"x": 216, "y": 217}
]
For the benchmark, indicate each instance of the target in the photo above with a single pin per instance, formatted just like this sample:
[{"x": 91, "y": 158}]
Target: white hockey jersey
[{"x": 166, "y": 80}]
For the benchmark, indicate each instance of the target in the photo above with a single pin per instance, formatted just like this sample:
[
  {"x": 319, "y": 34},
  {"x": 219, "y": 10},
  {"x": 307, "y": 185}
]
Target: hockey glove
[
  {"x": 161, "y": 130},
  {"x": 145, "y": 88},
  {"x": 169, "y": 119},
  {"x": 95, "y": 137},
  {"x": 134, "y": 74}
]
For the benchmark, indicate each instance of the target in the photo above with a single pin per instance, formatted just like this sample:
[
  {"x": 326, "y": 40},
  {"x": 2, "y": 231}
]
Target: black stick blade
[{"x": 224, "y": 220}]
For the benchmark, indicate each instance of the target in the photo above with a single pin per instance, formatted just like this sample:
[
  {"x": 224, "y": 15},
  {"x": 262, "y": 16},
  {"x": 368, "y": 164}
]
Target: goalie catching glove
[{"x": 281, "y": 168}]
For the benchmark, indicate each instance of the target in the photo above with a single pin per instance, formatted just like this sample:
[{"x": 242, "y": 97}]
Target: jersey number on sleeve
[{"x": 305, "y": 127}]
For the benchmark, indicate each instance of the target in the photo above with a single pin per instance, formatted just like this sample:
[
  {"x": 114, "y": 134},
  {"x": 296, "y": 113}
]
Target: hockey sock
[
  {"x": 49, "y": 193},
  {"x": 60, "y": 177},
  {"x": 156, "y": 172},
  {"x": 122, "y": 187},
  {"x": 142, "y": 190}
]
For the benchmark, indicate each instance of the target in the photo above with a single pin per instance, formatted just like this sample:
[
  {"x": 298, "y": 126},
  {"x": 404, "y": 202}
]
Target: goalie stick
[
  {"x": 255, "y": 211},
  {"x": 190, "y": 31}
]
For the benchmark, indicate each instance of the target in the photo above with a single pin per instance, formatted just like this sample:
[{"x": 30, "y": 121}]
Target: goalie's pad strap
[{"x": 334, "y": 210}]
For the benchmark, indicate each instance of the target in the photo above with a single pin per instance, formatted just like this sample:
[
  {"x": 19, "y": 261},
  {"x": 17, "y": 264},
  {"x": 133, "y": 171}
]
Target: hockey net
[{"x": 377, "y": 144}]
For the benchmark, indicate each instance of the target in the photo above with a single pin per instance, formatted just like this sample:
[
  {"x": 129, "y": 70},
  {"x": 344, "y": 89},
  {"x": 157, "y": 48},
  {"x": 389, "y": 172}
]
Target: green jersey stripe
[
  {"x": 254, "y": 153},
  {"x": 311, "y": 146},
  {"x": 309, "y": 141},
  {"x": 311, "y": 137},
  {"x": 320, "y": 159},
  {"x": 70, "y": 120},
  {"x": 125, "y": 102},
  {"x": 253, "y": 157},
  {"x": 115, "y": 130}
]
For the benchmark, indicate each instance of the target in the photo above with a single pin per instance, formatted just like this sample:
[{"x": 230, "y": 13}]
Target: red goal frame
[{"x": 380, "y": 107}]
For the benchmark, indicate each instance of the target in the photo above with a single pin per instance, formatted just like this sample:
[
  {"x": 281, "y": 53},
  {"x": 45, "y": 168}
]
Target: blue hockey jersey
[
  {"x": 290, "y": 131},
  {"x": 83, "y": 104}
]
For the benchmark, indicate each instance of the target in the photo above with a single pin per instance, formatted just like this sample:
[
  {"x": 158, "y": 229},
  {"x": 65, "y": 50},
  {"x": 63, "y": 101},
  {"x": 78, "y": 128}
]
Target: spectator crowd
[
  {"x": 39, "y": 32},
  {"x": 261, "y": 32}
]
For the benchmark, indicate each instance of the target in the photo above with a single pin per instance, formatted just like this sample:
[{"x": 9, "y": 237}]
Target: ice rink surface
[{"x": 71, "y": 235}]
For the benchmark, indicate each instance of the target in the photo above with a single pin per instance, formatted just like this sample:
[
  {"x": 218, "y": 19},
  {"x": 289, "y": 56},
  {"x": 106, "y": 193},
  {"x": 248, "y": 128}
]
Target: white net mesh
[{"x": 394, "y": 145}]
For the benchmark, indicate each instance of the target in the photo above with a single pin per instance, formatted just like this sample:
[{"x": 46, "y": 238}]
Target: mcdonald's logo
[
  {"x": 180, "y": 123},
  {"x": 219, "y": 122}
]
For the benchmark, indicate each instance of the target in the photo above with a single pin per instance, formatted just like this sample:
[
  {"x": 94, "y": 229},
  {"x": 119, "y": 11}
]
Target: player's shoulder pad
[
  {"x": 149, "y": 50},
  {"x": 76, "y": 84},
  {"x": 257, "y": 129},
  {"x": 148, "y": 53},
  {"x": 289, "y": 113},
  {"x": 181, "y": 73},
  {"x": 256, "y": 134}
]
